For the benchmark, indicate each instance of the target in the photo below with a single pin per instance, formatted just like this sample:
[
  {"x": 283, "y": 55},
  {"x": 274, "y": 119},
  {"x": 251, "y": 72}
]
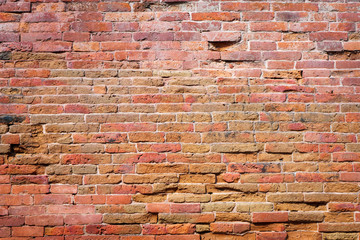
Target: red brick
[
  {"x": 270, "y": 217},
  {"x": 4, "y": 179},
  {"x": 343, "y": 207},
  {"x": 269, "y": 26},
  {"x": 265, "y": 97},
  {"x": 221, "y": 36},
  {"x": 126, "y": 26},
  {"x": 324, "y": 36},
  {"x": 153, "y": 36},
  {"x": 329, "y": 137},
  {"x": 158, "y": 207},
  {"x": 316, "y": 177},
  {"x": 140, "y": 237},
  {"x": 291, "y": 16},
  {"x": 221, "y": 227},
  {"x": 346, "y": 157},
  {"x": 90, "y": 199},
  {"x": 173, "y": 16},
  {"x": 67, "y": 230},
  {"x": 349, "y": 17},
  {"x": 347, "y": 64},
  {"x": 185, "y": 208},
  {"x": 314, "y": 64},
  {"x": 9, "y": 17},
  {"x": 281, "y": 55},
  {"x": 15, "y": 7},
  {"x": 330, "y": 46},
  {"x": 118, "y": 199},
  {"x": 111, "y": 46},
  {"x": 350, "y": 177},
  {"x": 296, "y": 46},
  {"x": 30, "y": 189},
  {"x": 76, "y": 109},
  {"x": 197, "y": 26},
  {"x": 13, "y": 109},
  {"x": 342, "y": 26},
  {"x": 52, "y": 47},
  {"x": 110, "y": 237},
  {"x": 27, "y": 210},
  {"x": 240, "y": 56},
  {"x": 42, "y": 73},
  {"x": 11, "y": 221},
  {"x": 308, "y": 26},
  {"x": 22, "y": 82},
  {"x": 15, "y": 200},
  {"x": 241, "y": 227},
  {"x": 114, "y": 7},
  {"x": 71, "y": 209},
  {"x": 52, "y": 199},
  {"x": 214, "y": 16},
  {"x": 27, "y": 231},
  {"x": 10, "y": 139},
  {"x": 34, "y": 36},
  {"x": 357, "y": 217},
  {"x": 83, "y": 219},
  {"x": 162, "y": 148},
  {"x": 179, "y": 237},
  {"x": 113, "y": 229},
  {"x": 63, "y": 189},
  {"x": 262, "y": 46},
  {"x": 248, "y": 6},
  {"x": 295, "y": 7},
  {"x": 92, "y": 27},
  {"x": 271, "y": 236},
  {"x": 5, "y": 232},
  {"x": 180, "y": 228},
  {"x": 76, "y": 36},
  {"x": 351, "y": 81},
  {"x": 352, "y": 117},
  {"x": 44, "y": 220},
  {"x": 258, "y": 16},
  {"x": 331, "y": 148},
  {"x": 154, "y": 229},
  {"x": 4, "y": 210},
  {"x": 89, "y": 16},
  {"x": 352, "y": 46},
  {"x": 40, "y": 17}
]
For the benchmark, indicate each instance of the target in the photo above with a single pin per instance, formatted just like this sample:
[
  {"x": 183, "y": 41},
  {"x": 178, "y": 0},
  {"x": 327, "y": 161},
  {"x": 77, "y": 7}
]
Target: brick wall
[{"x": 177, "y": 119}]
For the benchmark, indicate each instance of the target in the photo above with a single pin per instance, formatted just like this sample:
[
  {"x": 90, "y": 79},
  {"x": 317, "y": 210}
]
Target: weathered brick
[{"x": 179, "y": 120}]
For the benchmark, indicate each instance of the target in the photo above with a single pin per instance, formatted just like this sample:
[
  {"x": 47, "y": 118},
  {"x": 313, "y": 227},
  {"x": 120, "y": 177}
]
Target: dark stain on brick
[
  {"x": 5, "y": 55},
  {"x": 9, "y": 119}
]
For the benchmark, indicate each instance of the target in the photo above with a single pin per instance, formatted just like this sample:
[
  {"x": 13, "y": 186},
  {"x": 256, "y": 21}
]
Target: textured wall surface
[{"x": 179, "y": 120}]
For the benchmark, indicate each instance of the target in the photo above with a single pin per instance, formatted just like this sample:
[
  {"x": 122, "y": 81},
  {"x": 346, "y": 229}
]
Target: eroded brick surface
[{"x": 179, "y": 119}]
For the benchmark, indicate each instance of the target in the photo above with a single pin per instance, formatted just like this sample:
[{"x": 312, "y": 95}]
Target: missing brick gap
[
  {"x": 353, "y": 55},
  {"x": 156, "y": 6},
  {"x": 175, "y": 2},
  {"x": 222, "y": 46},
  {"x": 16, "y": 149},
  {"x": 144, "y": 6}
]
